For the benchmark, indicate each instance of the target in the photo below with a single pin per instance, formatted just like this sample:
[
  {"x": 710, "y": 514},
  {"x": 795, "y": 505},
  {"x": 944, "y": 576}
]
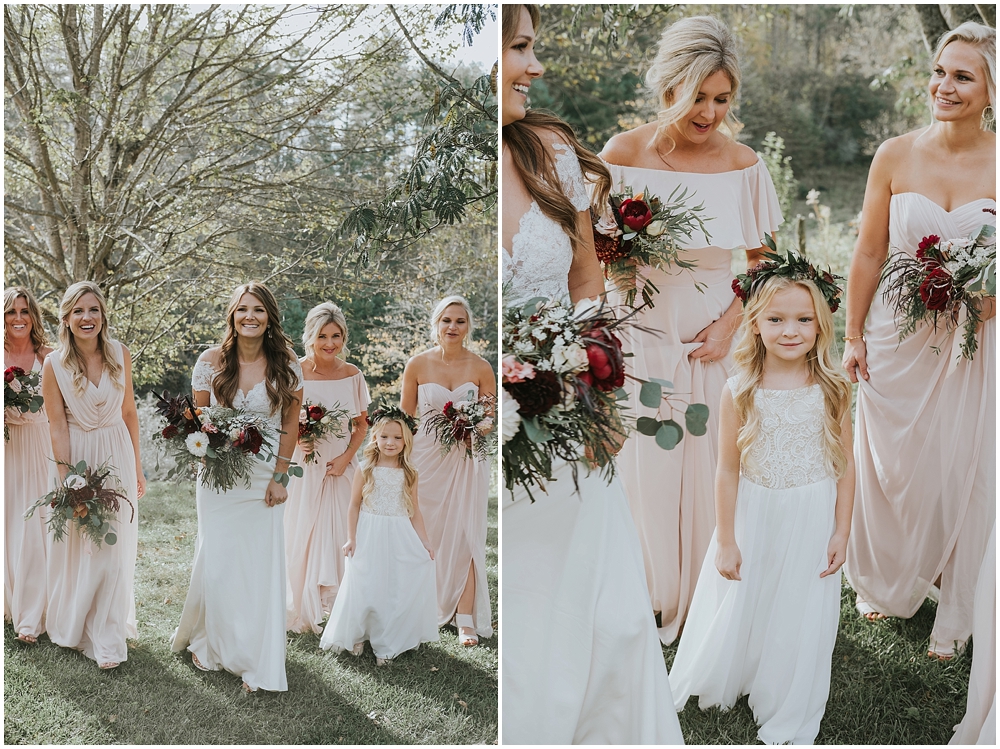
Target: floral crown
[
  {"x": 395, "y": 413},
  {"x": 790, "y": 266}
]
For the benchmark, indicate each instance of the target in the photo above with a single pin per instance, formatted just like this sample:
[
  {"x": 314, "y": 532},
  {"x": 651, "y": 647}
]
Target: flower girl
[
  {"x": 388, "y": 595},
  {"x": 767, "y": 604}
]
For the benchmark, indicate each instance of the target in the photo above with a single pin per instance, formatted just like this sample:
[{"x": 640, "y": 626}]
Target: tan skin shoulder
[
  {"x": 625, "y": 149},
  {"x": 211, "y": 356}
]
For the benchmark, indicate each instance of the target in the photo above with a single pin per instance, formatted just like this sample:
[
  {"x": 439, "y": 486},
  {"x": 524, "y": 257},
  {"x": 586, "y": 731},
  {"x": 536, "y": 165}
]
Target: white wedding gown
[
  {"x": 582, "y": 662},
  {"x": 234, "y": 613}
]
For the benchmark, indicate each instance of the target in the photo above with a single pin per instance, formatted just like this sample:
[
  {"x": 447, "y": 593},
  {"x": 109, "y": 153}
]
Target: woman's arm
[
  {"x": 55, "y": 410},
  {"x": 586, "y": 280},
  {"x": 276, "y": 494},
  {"x": 417, "y": 520},
  {"x": 131, "y": 418},
  {"x": 359, "y": 429},
  {"x": 408, "y": 394},
  {"x": 837, "y": 549},
  {"x": 727, "y": 480},
  {"x": 352, "y": 514},
  {"x": 870, "y": 253}
]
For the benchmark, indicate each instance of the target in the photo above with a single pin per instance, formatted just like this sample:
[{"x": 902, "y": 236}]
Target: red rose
[
  {"x": 250, "y": 440},
  {"x": 738, "y": 290},
  {"x": 635, "y": 214},
  {"x": 935, "y": 291},
  {"x": 315, "y": 413},
  {"x": 169, "y": 431},
  {"x": 607, "y": 364},
  {"x": 11, "y": 372},
  {"x": 927, "y": 242}
]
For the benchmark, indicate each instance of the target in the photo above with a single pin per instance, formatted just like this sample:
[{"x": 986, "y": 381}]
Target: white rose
[
  {"x": 326, "y": 419},
  {"x": 655, "y": 228},
  {"x": 75, "y": 481},
  {"x": 511, "y": 418},
  {"x": 197, "y": 444},
  {"x": 608, "y": 226},
  {"x": 570, "y": 358},
  {"x": 15, "y": 385},
  {"x": 234, "y": 434}
]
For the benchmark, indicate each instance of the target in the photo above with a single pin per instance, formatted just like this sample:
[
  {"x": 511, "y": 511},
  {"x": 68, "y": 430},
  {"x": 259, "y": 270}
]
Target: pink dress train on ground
[
  {"x": 671, "y": 493},
  {"x": 316, "y": 511},
  {"x": 454, "y": 493},
  {"x": 925, "y": 448},
  {"x": 27, "y": 461},
  {"x": 91, "y": 606}
]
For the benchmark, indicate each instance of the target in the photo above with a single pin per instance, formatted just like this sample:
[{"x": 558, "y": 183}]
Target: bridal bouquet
[
  {"x": 317, "y": 421},
  {"x": 86, "y": 499},
  {"x": 642, "y": 230},
  {"x": 468, "y": 422},
  {"x": 20, "y": 391},
  {"x": 945, "y": 281},
  {"x": 224, "y": 442}
]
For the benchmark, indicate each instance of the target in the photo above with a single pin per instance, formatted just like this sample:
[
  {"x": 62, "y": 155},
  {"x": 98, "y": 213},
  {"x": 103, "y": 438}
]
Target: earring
[{"x": 989, "y": 119}]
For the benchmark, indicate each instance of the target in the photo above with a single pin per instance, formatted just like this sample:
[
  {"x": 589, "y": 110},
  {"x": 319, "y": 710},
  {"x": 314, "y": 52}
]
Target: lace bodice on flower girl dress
[
  {"x": 541, "y": 252},
  {"x": 387, "y": 494},
  {"x": 789, "y": 449},
  {"x": 256, "y": 400}
]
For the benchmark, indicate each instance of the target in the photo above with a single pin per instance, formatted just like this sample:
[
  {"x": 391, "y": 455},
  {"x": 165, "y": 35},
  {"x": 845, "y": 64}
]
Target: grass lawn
[
  {"x": 441, "y": 693},
  {"x": 884, "y": 689}
]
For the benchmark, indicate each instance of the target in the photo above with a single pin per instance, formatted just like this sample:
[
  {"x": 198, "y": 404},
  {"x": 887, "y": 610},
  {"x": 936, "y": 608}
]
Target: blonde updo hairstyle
[
  {"x": 749, "y": 358},
  {"x": 370, "y": 457},
  {"x": 983, "y": 40},
  {"x": 39, "y": 338},
  {"x": 439, "y": 310},
  {"x": 68, "y": 350},
  {"x": 318, "y": 318},
  {"x": 689, "y": 52}
]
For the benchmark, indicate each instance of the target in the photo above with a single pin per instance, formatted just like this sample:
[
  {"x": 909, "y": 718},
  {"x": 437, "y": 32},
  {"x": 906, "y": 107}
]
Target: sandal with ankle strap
[
  {"x": 467, "y": 639},
  {"x": 27, "y": 639}
]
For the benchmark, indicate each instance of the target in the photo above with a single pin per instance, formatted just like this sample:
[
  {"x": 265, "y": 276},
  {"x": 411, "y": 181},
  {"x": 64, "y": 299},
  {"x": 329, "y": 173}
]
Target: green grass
[
  {"x": 441, "y": 693},
  {"x": 883, "y": 690}
]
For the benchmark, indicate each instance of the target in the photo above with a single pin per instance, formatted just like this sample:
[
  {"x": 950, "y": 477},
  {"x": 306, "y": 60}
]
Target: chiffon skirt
[
  {"x": 388, "y": 596},
  {"x": 770, "y": 634},
  {"x": 28, "y": 460},
  {"x": 234, "y": 614},
  {"x": 315, "y": 532},
  {"x": 581, "y": 660},
  {"x": 91, "y": 605}
]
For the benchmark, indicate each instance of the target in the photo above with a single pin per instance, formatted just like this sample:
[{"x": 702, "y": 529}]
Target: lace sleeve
[
  {"x": 297, "y": 371},
  {"x": 202, "y": 376},
  {"x": 571, "y": 176}
]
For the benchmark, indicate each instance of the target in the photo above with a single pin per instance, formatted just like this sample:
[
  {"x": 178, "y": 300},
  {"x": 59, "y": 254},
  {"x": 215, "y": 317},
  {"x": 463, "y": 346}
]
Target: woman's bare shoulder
[
  {"x": 211, "y": 356},
  {"x": 625, "y": 149}
]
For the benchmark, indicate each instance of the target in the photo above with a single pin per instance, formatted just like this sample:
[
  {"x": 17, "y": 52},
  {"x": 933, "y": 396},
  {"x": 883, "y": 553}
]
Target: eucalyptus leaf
[
  {"x": 111, "y": 539},
  {"x": 647, "y": 426},
  {"x": 68, "y": 512},
  {"x": 696, "y": 419},
  {"x": 669, "y": 434},
  {"x": 81, "y": 467},
  {"x": 666, "y": 384},
  {"x": 650, "y": 394},
  {"x": 105, "y": 526},
  {"x": 95, "y": 521},
  {"x": 209, "y": 452},
  {"x": 535, "y": 432}
]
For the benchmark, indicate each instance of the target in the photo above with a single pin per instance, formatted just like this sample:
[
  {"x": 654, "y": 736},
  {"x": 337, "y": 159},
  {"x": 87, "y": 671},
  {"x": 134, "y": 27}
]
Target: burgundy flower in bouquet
[
  {"x": 606, "y": 360},
  {"x": 467, "y": 422},
  {"x": 21, "y": 391},
  {"x": 317, "y": 421}
]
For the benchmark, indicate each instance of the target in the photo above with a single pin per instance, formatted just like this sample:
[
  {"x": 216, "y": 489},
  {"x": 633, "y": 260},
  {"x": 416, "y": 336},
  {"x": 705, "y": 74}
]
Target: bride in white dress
[
  {"x": 234, "y": 614},
  {"x": 581, "y": 659}
]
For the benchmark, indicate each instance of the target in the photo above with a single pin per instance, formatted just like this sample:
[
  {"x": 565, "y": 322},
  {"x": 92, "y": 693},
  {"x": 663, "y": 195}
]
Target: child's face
[
  {"x": 390, "y": 440},
  {"x": 788, "y": 326}
]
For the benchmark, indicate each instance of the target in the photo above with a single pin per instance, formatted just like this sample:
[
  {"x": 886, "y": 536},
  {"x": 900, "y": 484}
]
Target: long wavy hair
[
  {"x": 535, "y": 162},
  {"x": 39, "y": 338},
  {"x": 444, "y": 304},
  {"x": 689, "y": 51},
  {"x": 983, "y": 40},
  {"x": 370, "y": 457},
  {"x": 278, "y": 352},
  {"x": 749, "y": 358},
  {"x": 318, "y": 318},
  {"x": 68, "y": 350}
]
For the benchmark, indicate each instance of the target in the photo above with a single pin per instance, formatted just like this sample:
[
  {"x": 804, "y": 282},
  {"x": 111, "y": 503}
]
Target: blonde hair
[
  {"x": 70, "y": 354},
  {"x": 438, "y": 313},
  {"x": 749, "y": 358},
  {"x": 318, "y": 318},
  {"x": 370, "y": 457},
  {"x": 689, "y": 52},
  {"x": 39, "y": 338},
  {"x": 983, "y": 40}
]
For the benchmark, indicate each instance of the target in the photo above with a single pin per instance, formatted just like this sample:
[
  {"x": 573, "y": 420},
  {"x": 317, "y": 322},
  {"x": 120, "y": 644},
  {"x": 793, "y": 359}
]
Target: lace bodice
[
  {"x": 387, "y": 494},
  {"x": 256, "y": 400},
  {"x": 541, "y": 252},
  {"x": 788, "y": 451}
]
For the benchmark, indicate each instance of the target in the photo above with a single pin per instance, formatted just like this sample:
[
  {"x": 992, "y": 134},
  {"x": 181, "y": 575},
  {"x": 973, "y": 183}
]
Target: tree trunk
[
  {"x": 988, "y": 14},
  {"x": 957, "y": 14},
  {"x": 932, "y": 23}
]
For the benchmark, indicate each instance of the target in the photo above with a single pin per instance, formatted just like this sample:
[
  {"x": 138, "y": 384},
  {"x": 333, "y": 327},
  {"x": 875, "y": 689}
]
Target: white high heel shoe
[{"x": 467, "y": 639}]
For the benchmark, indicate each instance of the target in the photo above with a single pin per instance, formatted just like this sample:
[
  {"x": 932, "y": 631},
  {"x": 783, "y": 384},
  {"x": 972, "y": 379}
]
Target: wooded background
[{"x": 170, "y": 152}]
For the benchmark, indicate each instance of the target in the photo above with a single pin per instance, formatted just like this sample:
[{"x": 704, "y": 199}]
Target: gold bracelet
[{"x": 854, "y": 337}]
